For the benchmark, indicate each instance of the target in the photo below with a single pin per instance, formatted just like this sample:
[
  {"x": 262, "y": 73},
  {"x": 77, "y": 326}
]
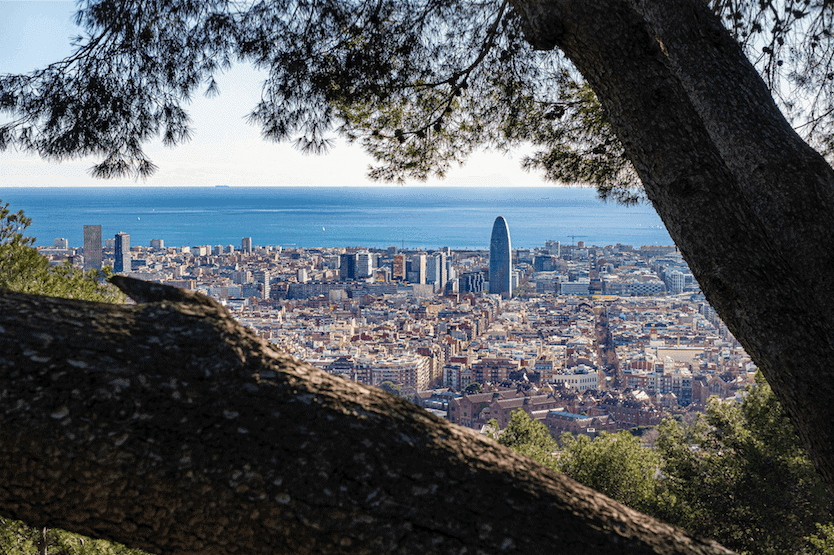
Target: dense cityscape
[{"x": 584, "y": 338}]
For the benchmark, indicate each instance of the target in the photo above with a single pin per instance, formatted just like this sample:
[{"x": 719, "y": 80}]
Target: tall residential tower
[
  {"x": 364, "y": 265},
  {"x": 92, "y": 247},
  {"x": 500, "y": 262},
  {"x": 122, "y": 258},
  {"x": 436, "y": 270}
]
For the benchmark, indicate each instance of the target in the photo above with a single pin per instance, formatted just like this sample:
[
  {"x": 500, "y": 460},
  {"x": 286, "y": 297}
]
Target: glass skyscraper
[
  {"x": 436, "y": 270},
  {"x": 347, "y": 266},
  {"x": 500, "y": 262},
  {"x": 122, "y": 261}
]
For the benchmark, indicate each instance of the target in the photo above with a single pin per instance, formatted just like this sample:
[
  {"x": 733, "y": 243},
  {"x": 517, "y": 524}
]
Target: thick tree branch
[{"x": 169, "y": 427}]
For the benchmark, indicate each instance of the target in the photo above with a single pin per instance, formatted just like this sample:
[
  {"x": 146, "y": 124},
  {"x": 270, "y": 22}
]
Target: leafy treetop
[
  {"x": 418, "y": 83},
  {"x": 23, "y": 269},
  {"x": 738, "y": 474}
]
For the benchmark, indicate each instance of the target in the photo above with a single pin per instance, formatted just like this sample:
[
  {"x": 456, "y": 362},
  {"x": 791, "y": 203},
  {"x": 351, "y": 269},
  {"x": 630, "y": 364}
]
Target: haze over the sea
[{"x": 409, "y": 217}]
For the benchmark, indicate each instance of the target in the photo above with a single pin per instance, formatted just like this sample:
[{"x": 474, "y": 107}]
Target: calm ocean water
[{"x": 410, "y": 217}]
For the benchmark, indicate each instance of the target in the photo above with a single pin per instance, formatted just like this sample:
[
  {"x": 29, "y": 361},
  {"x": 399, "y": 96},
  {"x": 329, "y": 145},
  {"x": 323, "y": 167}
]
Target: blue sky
[{"x": 224, "y": 149}]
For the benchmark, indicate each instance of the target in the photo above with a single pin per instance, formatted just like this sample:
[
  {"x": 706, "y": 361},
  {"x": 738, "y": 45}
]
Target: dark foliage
[{"x": 419, "y": 84}]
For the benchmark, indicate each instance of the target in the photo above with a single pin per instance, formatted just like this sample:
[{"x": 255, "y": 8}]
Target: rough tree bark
[
  {"x": 170, "y": 427},
  {"x": 749, "y": 204}
]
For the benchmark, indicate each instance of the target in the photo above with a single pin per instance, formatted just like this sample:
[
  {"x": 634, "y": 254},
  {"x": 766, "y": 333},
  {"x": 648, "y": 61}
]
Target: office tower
[
  {"x": 500, "y": 264},
  {"x": 432, "y": 270},
  {"x": 444, "y": 271},
  {"x": 246, "y": 245},
  {"x": 92, "y": 247},
  {"x": 122, "y": 262},
  {"x": 436, "y": 270},
  {"x": 262, "y": 277},
  {"x": 61, "y": 243},
  {"x": 364, "y": 265},
  {"x": 347, "y": 266},
  {"x": 398, "y": 269},
  {"x": 157, "y": 244},
  {"x": 472, "y": 282},
  {"x": 418, "y": 268}
]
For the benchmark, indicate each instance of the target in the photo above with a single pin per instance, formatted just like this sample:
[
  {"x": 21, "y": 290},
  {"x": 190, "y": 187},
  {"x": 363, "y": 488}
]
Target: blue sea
[{"x": 405, "y": 217}]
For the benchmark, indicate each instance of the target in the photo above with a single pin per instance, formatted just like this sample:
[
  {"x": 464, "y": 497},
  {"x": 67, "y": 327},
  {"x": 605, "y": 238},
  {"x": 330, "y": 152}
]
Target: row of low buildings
[
  {"x": 578, "y": 411},
  {"x": 560, "y": 409}
]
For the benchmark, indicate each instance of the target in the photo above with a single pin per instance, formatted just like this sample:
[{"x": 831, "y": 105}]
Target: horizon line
[{"x": 221, "y": 186}]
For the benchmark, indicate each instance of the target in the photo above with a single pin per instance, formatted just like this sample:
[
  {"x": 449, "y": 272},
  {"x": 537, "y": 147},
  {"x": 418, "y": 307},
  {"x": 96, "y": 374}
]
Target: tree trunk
[
  {"x": 749, "y": 204},
  {"x": 169, "y": 427},
  {"x": 43, "y": 541}
]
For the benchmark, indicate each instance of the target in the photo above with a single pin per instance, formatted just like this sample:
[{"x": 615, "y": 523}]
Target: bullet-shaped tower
[{"x": 500, "y": 262}]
